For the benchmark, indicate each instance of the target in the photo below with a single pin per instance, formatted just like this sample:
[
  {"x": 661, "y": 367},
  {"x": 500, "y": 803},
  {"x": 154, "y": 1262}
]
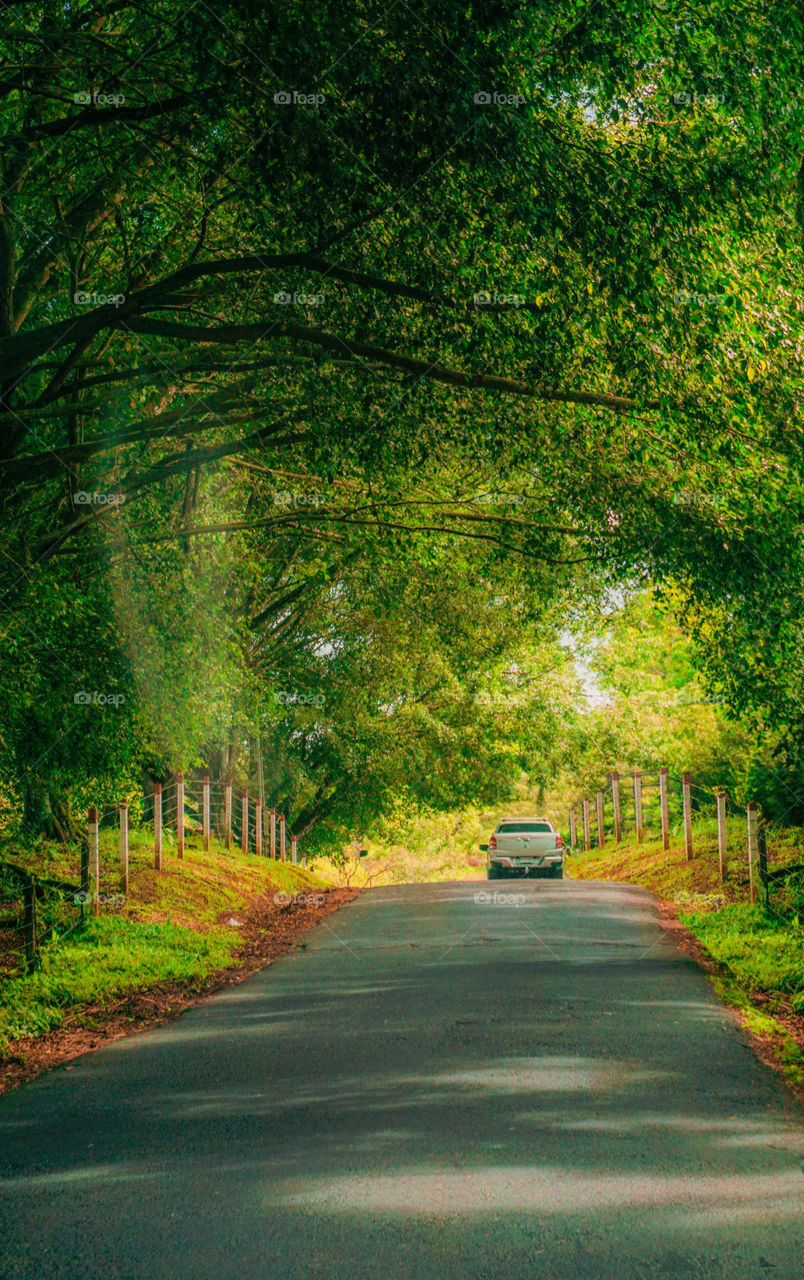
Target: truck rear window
[{"x": 514, "y": 828}]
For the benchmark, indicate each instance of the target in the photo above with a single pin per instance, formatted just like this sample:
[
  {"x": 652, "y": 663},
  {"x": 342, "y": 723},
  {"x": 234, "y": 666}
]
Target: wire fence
[
  {"x": 34, "y": 910},
  {"x": 182, "y": 813},
  {"x": 644, "y": 807}
]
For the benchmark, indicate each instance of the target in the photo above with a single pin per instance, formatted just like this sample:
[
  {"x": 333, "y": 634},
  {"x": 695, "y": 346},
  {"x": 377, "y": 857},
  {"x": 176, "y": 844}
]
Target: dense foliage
[{"x": 351, "y": 355}]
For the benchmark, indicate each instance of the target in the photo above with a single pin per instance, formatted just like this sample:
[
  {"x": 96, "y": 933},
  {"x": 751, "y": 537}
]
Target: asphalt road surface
[{"x": 461, "y": 1081}]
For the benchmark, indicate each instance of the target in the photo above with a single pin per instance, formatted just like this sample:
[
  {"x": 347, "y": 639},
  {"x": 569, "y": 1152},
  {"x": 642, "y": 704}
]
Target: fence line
[
  {"x": 42, "y": 902},
  {"x": 689, "y": 800},
  {"x": 169, "y": 810}
]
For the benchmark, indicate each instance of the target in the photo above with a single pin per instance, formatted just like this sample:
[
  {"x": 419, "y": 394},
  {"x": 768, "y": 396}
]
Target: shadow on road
[{"x": 437, "y": 1085}]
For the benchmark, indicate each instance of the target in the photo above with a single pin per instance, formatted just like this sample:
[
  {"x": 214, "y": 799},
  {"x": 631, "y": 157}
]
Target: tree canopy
[{"x": 350, "y": 354}]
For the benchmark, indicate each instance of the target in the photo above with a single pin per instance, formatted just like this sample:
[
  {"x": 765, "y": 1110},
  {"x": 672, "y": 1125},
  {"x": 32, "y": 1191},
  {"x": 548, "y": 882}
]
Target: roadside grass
[
  {"x": 104, "y": 959},
  {"x": 762, "y": 953},
  {"x": 172, "y": 925}
]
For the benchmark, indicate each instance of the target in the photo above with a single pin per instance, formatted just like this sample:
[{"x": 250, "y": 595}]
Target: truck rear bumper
[{"x": 510, "y": 864}]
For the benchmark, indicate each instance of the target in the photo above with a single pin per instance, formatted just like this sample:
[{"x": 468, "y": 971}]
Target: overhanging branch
[{"x": 228, "y": 334}]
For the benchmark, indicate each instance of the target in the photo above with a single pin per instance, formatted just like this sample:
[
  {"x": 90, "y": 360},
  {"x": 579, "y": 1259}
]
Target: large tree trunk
[
  {"x": 49, "y": 815},
  {"x": 321, "y": 804}
]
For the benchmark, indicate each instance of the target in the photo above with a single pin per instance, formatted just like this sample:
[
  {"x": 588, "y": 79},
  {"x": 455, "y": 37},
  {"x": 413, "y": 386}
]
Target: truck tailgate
[{"x": 525, "y": 844}]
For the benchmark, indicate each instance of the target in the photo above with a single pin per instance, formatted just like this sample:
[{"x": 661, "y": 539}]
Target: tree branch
[
  {"x": 233, "y": 333},
  {"x": 89, "y": 116}
]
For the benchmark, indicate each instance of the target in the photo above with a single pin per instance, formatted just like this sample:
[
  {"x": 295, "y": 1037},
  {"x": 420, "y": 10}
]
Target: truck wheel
[
  {"x": 493, "y": 873},
  {"x": 557, "y": 873}
]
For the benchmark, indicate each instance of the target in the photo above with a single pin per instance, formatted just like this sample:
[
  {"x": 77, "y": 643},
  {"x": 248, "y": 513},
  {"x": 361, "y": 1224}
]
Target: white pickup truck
[{"x": 523, "y": 846}]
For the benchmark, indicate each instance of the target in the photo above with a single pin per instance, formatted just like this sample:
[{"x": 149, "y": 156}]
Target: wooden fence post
[
  {"x": 601, "y": 821},
  {"x": 244, "y": 822},
  {"x": 124, "y": 848},
  {"x": 205, "y": 823},
  {"x": 258, "y": 826},
  {"x": 29, "y": 922},
  {"x": 615, "y": 799},
  {"x": 293, "y": 851},
  {"x": 572, "y": 828},
  {"x": 158, "y": 826},
  {"x": 686, "y": 780},
  {"x": 665, "y": 810},
  {"x": 721, "y": 829},
  {"x": 587, "y": 844},
  {"x": 752, "y": 846},
  {"x": 180, "y": 815},
  {"x": 640, "y": 831},
  {"x": 282, "y": 836},
  {"x": 94, "y": 856},
  {"x": 227, "y": 813},
  {"x": 272, "y": 833},
  {"x": 84, "y": 877},
  {"x": 762, "y": 850}
]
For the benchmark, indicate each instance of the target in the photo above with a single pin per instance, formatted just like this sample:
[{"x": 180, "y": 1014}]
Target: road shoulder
[{"x": 776, "y": 1037}]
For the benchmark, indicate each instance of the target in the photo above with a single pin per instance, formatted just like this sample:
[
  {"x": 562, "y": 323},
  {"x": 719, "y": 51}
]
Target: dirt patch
[
  {"x": 269, "y": 930},
  {"x": 767, "y": 1047}
]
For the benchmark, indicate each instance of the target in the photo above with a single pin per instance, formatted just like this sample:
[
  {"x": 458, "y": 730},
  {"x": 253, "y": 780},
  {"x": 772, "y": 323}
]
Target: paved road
[{"x": 443, "y": 1085}]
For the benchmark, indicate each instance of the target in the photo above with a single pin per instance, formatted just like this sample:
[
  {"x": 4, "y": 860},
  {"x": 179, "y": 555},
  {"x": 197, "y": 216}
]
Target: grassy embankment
[
  {"x": 172, "y": 926},
  {"x": 761, "y": 954}
]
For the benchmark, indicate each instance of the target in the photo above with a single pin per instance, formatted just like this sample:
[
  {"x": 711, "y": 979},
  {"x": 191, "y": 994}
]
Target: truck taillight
[
  {"x": 493, "y": 842},
  {"x": 559, "y": 842}
]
